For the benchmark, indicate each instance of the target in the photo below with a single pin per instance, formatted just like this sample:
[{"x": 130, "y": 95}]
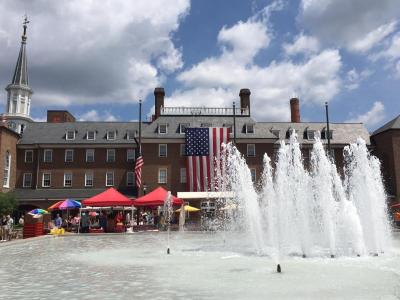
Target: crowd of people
[{"x": 7, "y": 227}]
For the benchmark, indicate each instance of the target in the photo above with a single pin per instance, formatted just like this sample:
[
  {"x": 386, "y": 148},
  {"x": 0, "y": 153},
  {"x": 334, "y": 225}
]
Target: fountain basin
[{"x": 200, "y": 266}]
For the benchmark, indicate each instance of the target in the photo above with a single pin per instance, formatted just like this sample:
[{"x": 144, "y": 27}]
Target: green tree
[{"x": 8, "y": 203}]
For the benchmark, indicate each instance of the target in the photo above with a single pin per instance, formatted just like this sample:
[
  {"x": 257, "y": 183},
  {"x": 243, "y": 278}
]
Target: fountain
[{"x": 168, "y": 212}]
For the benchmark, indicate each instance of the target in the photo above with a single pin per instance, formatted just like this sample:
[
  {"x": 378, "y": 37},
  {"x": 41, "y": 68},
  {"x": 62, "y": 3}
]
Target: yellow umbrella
[{"x": 188, "y": 208}]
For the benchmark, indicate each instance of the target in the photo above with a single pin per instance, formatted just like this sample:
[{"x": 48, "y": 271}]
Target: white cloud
[
  {"x": 372, "y": 117},
  {"x": 216, "y": 80},
  {"x": 82, "y": 51},
  {"x": 357, "y": 25},
  {"x": 354, "y": 78},
  {"x": 302, "y": 44},
  {"x": 93, "y": 115}
]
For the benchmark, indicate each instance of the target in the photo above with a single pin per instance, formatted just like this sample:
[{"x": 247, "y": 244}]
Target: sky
[{"x": 96, "y": 59}]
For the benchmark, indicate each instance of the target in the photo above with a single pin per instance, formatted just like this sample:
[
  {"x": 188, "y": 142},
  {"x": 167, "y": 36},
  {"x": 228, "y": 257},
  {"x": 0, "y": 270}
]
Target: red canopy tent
[
  {"x": 110, "y": 197},
  {"x": 156, "y": 198}
]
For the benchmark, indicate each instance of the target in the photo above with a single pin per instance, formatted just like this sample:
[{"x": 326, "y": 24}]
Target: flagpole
[
  {"x": 234, "y": 123},
  {"x": 140, "y": 128},
  {"x": 327, "y": 129}
]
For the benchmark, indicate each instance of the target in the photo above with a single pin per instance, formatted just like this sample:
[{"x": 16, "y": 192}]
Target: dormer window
[
  {"x": 310, "y": 135},
  {"x": 111, "y": 135},
  {"x": 91, "y": 135},
  {"x": 324, "y": 136},
  {"x": 249, "y": 128},
  {"x": 70, "y": 135},
  {"x": 207, "y": 125},
  {"x": 130, "y": 134},
  {"x": 290, "y": 132},
  {"x": 182, "y": 127},
  {"x": 276, "y": 132},
  {"x": 162, "y": 128}
]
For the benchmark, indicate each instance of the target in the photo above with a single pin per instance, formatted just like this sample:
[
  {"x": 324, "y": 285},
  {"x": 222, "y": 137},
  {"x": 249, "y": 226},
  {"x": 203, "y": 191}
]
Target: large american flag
[
  {"x": 138, "y": 171},
  {"x": 205, "y": 162}
]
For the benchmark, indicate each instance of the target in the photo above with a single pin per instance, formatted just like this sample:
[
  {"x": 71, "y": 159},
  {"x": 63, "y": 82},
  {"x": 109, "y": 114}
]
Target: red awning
[
  {"x": 110, "y": 197},
  {"x": 156, "y": 198}
]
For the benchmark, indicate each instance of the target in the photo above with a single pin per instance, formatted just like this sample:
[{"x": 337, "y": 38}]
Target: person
[
  {"x": 58, "y": 221},
  {"x": 10, "y": 227},
  {"x": 21, "y": 221},
  {"x": 85, "y": 223},
  {"x": 103, "y": 221},
  {"x": 3, "y": 225}
]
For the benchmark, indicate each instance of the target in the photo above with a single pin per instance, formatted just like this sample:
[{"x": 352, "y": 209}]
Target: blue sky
[{"x": 96, "y": 59}]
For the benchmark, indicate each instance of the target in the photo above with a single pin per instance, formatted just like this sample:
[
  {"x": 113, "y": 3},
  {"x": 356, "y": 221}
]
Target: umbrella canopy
[
  {"x": 156, "y": 198},
  {"x": 110, "y": 197},
  {"x": 188, "y": 208},
  {"x": 69, "y": 203},
  {"x": 38, "y": 211},
  {"x": 55, "y": 205}
]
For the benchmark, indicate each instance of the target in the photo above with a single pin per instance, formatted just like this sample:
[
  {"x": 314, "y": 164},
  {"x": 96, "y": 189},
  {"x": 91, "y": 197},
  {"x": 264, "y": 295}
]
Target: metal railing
[{"x": 204, "y": 111}]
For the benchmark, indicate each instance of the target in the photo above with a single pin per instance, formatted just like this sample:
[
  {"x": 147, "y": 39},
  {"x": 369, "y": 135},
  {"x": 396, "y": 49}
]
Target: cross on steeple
[{"x": 25, "y": 26}]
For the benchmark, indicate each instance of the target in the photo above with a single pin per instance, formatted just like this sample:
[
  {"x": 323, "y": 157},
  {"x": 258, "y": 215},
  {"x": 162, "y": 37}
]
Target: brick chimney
[
  {"x": 295, "y": 110},
  {"x": 159, "y": 100},
  {"x": 244, "y": 100}
]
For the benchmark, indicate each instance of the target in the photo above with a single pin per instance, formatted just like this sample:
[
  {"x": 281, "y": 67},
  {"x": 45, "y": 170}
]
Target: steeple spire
[{"x": 21, "y": 69}]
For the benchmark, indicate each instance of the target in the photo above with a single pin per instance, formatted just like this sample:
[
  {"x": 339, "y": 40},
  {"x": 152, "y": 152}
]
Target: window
[
  {"x": 110, "y": 155},
  {"x": 69, "y": 155},
  {"x": 89, "y": 155},
  {"x": 46, "y": 180},
  {"x": 89, "y": 179},
  {"x": 310, "y": 135},
  {"x": 162, "y": 175},
  {"x": 290, "y": 132},
  {"x": 182, "y": 127},
  {"x": 162, "y": 150},
  {"x": 249, "y": 128},
  {"x": 91, "y": 135},
  {"x": 48, "y": 155},
  {"x": 7, "y": 169},
  {"x": 70, "y": 135},
  {"x": 130, "y": 178},
  {"x": 111, "y": 135},
  {"x": 162, "y": 128},
  {"x": 28, "y": 156},
  {"x": 67, "y": 179},
  {"x": 27, "y": 180},
  {"x": 183, "y": 175},
  {"x": 109, "y": 178},
  {"x": 130, "y": 155},
  {"x": 130, "y": 134},
  {"x": 253, "y": 174},
  {"x": 323, "y": 134},
  {"x": 251, "y": 150},
  {"x": 182, "y": 149},
  {"x": 206, "y": 125}
]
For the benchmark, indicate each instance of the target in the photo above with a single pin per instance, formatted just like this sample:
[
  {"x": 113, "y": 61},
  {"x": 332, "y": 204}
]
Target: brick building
[
  {"x": 386, "y": 144},
  {"x": 63, "y": 158}
]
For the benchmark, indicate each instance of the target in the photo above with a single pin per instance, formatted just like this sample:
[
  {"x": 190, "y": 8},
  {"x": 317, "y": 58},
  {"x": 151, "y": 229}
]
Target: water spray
[{"x": 278, "y": 268}]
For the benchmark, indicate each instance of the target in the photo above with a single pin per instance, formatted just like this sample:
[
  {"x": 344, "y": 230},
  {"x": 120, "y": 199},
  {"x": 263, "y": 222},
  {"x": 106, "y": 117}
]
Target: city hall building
[{"x": 44, "y": 162}]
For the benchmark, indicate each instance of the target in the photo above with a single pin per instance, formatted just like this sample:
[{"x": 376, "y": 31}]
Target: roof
[
  {"x": 393, "y": 124},
  {"x": 57, "y": 194},
  {"x": 20, "y": 77},
  {"x": 109, "y": 197},
  {"x": 54, "y": 133},
  {"x": 156, "y": 197}
]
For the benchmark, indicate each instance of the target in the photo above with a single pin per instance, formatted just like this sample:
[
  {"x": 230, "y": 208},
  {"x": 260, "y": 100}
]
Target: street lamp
[{"x": 144, "y": 189}]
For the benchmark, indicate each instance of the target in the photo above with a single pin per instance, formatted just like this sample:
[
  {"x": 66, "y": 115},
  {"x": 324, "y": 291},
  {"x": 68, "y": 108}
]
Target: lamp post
[
  {"x": 144, "y": 189},
  {"x": 234, "y": 123},
  {"x": 327, "y": 136}
]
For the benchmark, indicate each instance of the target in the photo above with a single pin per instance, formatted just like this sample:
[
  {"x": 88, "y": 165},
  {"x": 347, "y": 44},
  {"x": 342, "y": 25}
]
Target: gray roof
[
  {"x": 60, "y": 194},
  {"x": 393, "y": 124},
  {"x": 54, "y": 133}
]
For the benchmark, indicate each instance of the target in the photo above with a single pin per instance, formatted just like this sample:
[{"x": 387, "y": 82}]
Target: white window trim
[
  {"x": 308, "y": 134},
  {"x": 108, "y": 135},
  {"x": 127, "y": 156},
  {"x": 66, "y": 135},
  {"x": 247, "y": 131},
  {"x": 44, "y": 155},
  {"x": 180, "y": 127},
  {"x": 94, "y": 135},
  {"x": 159, "y": 150},
  {"x": 23, "y": 180},
  {"x": 166, "y": 175},
  {"x": 86, "y": 175},
  {"x": 8, "y": 169},
  {"x": 31, "y": 151},
  {"x": 107, "y": 156},
  {"x": 248, "y": 147},
  {"x": 65, "y": 155},
  {"x": 128, "y": 136},
  {"x": 255, "y": 174},
  {"x": 182, "y": 172},
  {"x": 86, "y": 155},
  {"x": 113, "y": 179},
  {"x": 65, "y": 178},
  {"x": 166, "y": 128},
  {"x": 133, "y": 182},
  {"x": 182, "y": 153},
  {"x": 46, "y": 173}
]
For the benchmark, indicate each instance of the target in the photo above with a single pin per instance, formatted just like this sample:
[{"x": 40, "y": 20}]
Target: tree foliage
[{"x": 8, "y": 203}]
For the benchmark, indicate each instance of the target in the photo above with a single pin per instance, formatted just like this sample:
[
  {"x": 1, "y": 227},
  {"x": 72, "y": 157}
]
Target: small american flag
[
  {"x": 205, "y": 162},
  {"x": 138, "y": 171}
]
